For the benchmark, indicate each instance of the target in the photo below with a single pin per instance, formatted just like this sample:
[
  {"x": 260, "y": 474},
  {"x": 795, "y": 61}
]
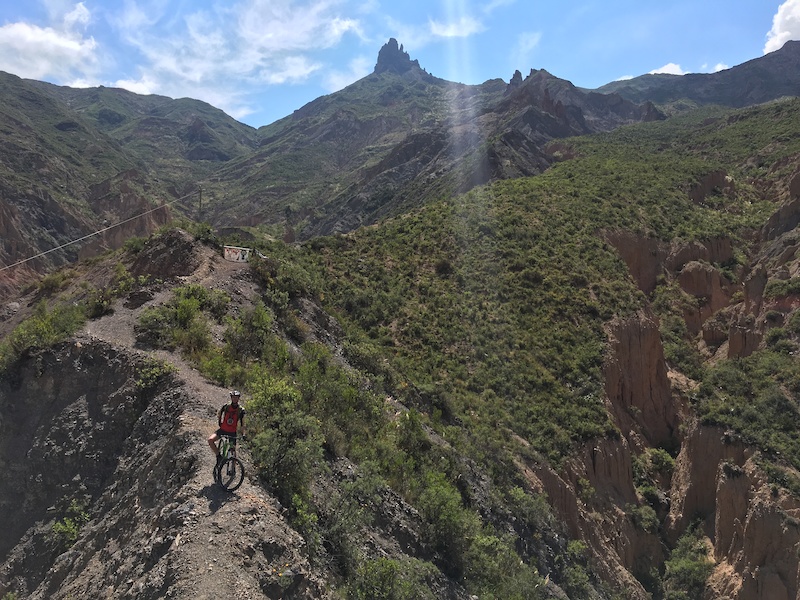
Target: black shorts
[{"x": 227, "y": 434}]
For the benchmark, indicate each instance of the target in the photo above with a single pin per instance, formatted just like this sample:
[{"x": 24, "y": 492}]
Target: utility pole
[{"x": 200, "y": 197}]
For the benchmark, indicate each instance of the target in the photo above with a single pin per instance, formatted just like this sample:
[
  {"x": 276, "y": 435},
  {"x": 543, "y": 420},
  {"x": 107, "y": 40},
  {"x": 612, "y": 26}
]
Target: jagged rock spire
[{"x": 392, "y": 57}]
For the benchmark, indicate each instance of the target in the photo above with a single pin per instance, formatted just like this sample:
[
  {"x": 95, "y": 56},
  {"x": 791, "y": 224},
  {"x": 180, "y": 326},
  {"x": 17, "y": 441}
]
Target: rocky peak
[{"x": 392, "y": 57}]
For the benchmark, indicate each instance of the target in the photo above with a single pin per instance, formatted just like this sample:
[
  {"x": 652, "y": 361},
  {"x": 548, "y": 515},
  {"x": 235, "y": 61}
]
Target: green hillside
[{"x": 494, "y": 302}]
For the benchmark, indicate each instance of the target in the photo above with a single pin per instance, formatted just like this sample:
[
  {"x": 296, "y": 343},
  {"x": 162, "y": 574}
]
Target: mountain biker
[{"x": 231, "y": 419}]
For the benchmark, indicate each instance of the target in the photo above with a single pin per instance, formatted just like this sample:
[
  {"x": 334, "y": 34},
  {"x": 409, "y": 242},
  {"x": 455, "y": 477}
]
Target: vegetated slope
[
  {"x": 772, "y": 76},
  {"x": 61, "y": 179},
  {"x": 142, "y": 518},
  {"x": 175, "y": 136},
  {"x": 514, "y": 318},
  {"x": 568, "y": 382},
  {"x": 76, "y": 161},
  {"x": 107, "y": 487}
]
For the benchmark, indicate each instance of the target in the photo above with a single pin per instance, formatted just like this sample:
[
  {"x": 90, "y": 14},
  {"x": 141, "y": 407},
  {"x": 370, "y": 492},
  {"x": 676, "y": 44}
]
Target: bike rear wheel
[{"x": 229, "y": 474}]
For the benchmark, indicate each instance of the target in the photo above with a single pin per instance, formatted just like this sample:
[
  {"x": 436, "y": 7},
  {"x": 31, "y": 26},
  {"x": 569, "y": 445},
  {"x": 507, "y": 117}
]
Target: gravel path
[{"x": 220, "y": 550}]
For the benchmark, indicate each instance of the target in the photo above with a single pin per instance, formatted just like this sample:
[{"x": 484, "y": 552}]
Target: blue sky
[{"x": 259, "y": 60}]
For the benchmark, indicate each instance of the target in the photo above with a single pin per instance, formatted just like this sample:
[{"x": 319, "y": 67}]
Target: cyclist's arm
[{"x": 241, "y": 424}]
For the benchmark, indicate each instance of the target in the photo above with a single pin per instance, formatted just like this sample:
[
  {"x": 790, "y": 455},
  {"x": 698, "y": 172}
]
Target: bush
[
  {"x": 287, "y": 443},
  {"x": 66, "y": 529},
  {"x": 494, "y": 569},
  {"x": 778, "y": 288},
  {"x": 388, "y": 579},
  {"x": 181, "y": 322},
  {"x": 53, "y": 282},
  {"x": 688, "y": 567},
  {"x": 42, "y": 330},
  {"x": 450, "y": 527},
  {"x": 250, "y": 336},
  {"x": 644, "y": 518}
]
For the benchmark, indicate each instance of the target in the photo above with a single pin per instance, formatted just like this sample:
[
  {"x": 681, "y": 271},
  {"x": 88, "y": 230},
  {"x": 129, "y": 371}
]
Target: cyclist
[{"x": 231, "y": 419}]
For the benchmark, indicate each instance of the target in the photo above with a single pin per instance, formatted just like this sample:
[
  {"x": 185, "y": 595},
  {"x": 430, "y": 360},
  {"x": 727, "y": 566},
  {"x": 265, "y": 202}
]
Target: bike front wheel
[{"x": 230, "y": 474}]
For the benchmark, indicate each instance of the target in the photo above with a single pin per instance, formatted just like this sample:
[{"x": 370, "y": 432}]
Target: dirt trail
[{"x": 235, "y": 545}]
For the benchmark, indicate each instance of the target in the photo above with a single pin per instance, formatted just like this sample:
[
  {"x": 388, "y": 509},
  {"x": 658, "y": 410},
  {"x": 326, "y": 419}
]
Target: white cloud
[
  {"x": 410, "y": 36},
  {"x": 284, "y": 25},
  {"x": 292, "y": 69},
  {"x": 462, "y": 27},
  {"x": 59, "y": 52},
  {"x": 669, "y": 69},
  {"x": 223, "y": 53},
  {"x": 144, "y": 86},
  {"x": 495, "y": 4},
  {"x": 79, "y": 16},
  {"x": 523, "y": 49},
  {"x": 785, "y": 26},
  {"x": 358, "y": 68},
  {"x": 717, "y": 68}
]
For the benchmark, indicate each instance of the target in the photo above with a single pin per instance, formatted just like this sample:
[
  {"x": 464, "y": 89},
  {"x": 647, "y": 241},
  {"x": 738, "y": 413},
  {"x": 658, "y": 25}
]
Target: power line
[{"x": 99, "y": 231}]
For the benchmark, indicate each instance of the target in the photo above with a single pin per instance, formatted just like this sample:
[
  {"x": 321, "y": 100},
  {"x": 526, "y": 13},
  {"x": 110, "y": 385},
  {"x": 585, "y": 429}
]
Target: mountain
[
  {"x": 399, "y": 137},
  {"x": 83, "y": 161},
  {"x": 760, "y": 80},
  {"x": 581, "y": 384},
  {"x": 75, "y": 161},
  {"x": 389, "y": 142}
]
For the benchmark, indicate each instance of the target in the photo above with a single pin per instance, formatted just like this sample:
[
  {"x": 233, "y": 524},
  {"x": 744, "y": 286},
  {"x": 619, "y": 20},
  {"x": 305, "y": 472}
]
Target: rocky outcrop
[
  {"x": 90, "y": 424},
  {"x": 716, "y": 182},
  {"x": 752, "y": 525},
  {"x": 694, "y": 479},
  {"x": 594, "y": 496},
  {"x": 394, "y": 58},
  {"x": 709, "y": 287},
  {"x": 649, "y": 258},
  {"x": 636, "y": 382}
]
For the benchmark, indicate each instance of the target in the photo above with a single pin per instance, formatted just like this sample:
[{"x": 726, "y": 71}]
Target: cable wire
[{"x": 99, "y": 231}]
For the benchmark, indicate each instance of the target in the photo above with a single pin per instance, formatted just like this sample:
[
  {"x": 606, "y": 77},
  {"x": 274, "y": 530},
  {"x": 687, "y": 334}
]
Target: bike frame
[{"x": 227, "y": 446}]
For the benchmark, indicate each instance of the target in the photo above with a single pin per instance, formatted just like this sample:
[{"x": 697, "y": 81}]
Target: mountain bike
[{"x": 229, "y": 470}]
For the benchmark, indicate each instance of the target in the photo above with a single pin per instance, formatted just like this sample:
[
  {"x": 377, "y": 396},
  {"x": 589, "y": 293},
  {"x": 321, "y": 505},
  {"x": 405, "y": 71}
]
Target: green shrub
[
  {"x": 450, "y": 526},
  {"x": 251, "y": 336},
  {"x": 42, "y": 330},
  {"x": 66, "y": 530},
  {"x": 181, "y": 322},
  {"x": 53, "y": 282},
  {"x": 794, "y": 323},
  {"x": 576, "y": 579},
  {"x": 388, "y": 579},
  {"x": 195, "y": 337},
  {"x": 688, "y": 567},
  {"x": 287, "y": 442},
  {"x": 155, "y": 327},
  {"x": 134, "y": 244},
  {"x": 779, "y": 288},
  {"x": 661, "y": 461},
  {"x": 494, "y": 570},
  {"x": 153, "y": 372},
  {"x": 775, "y": 334},
  {"x": 201, "y": 298},
  {"x": 644, "y": 518}
]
